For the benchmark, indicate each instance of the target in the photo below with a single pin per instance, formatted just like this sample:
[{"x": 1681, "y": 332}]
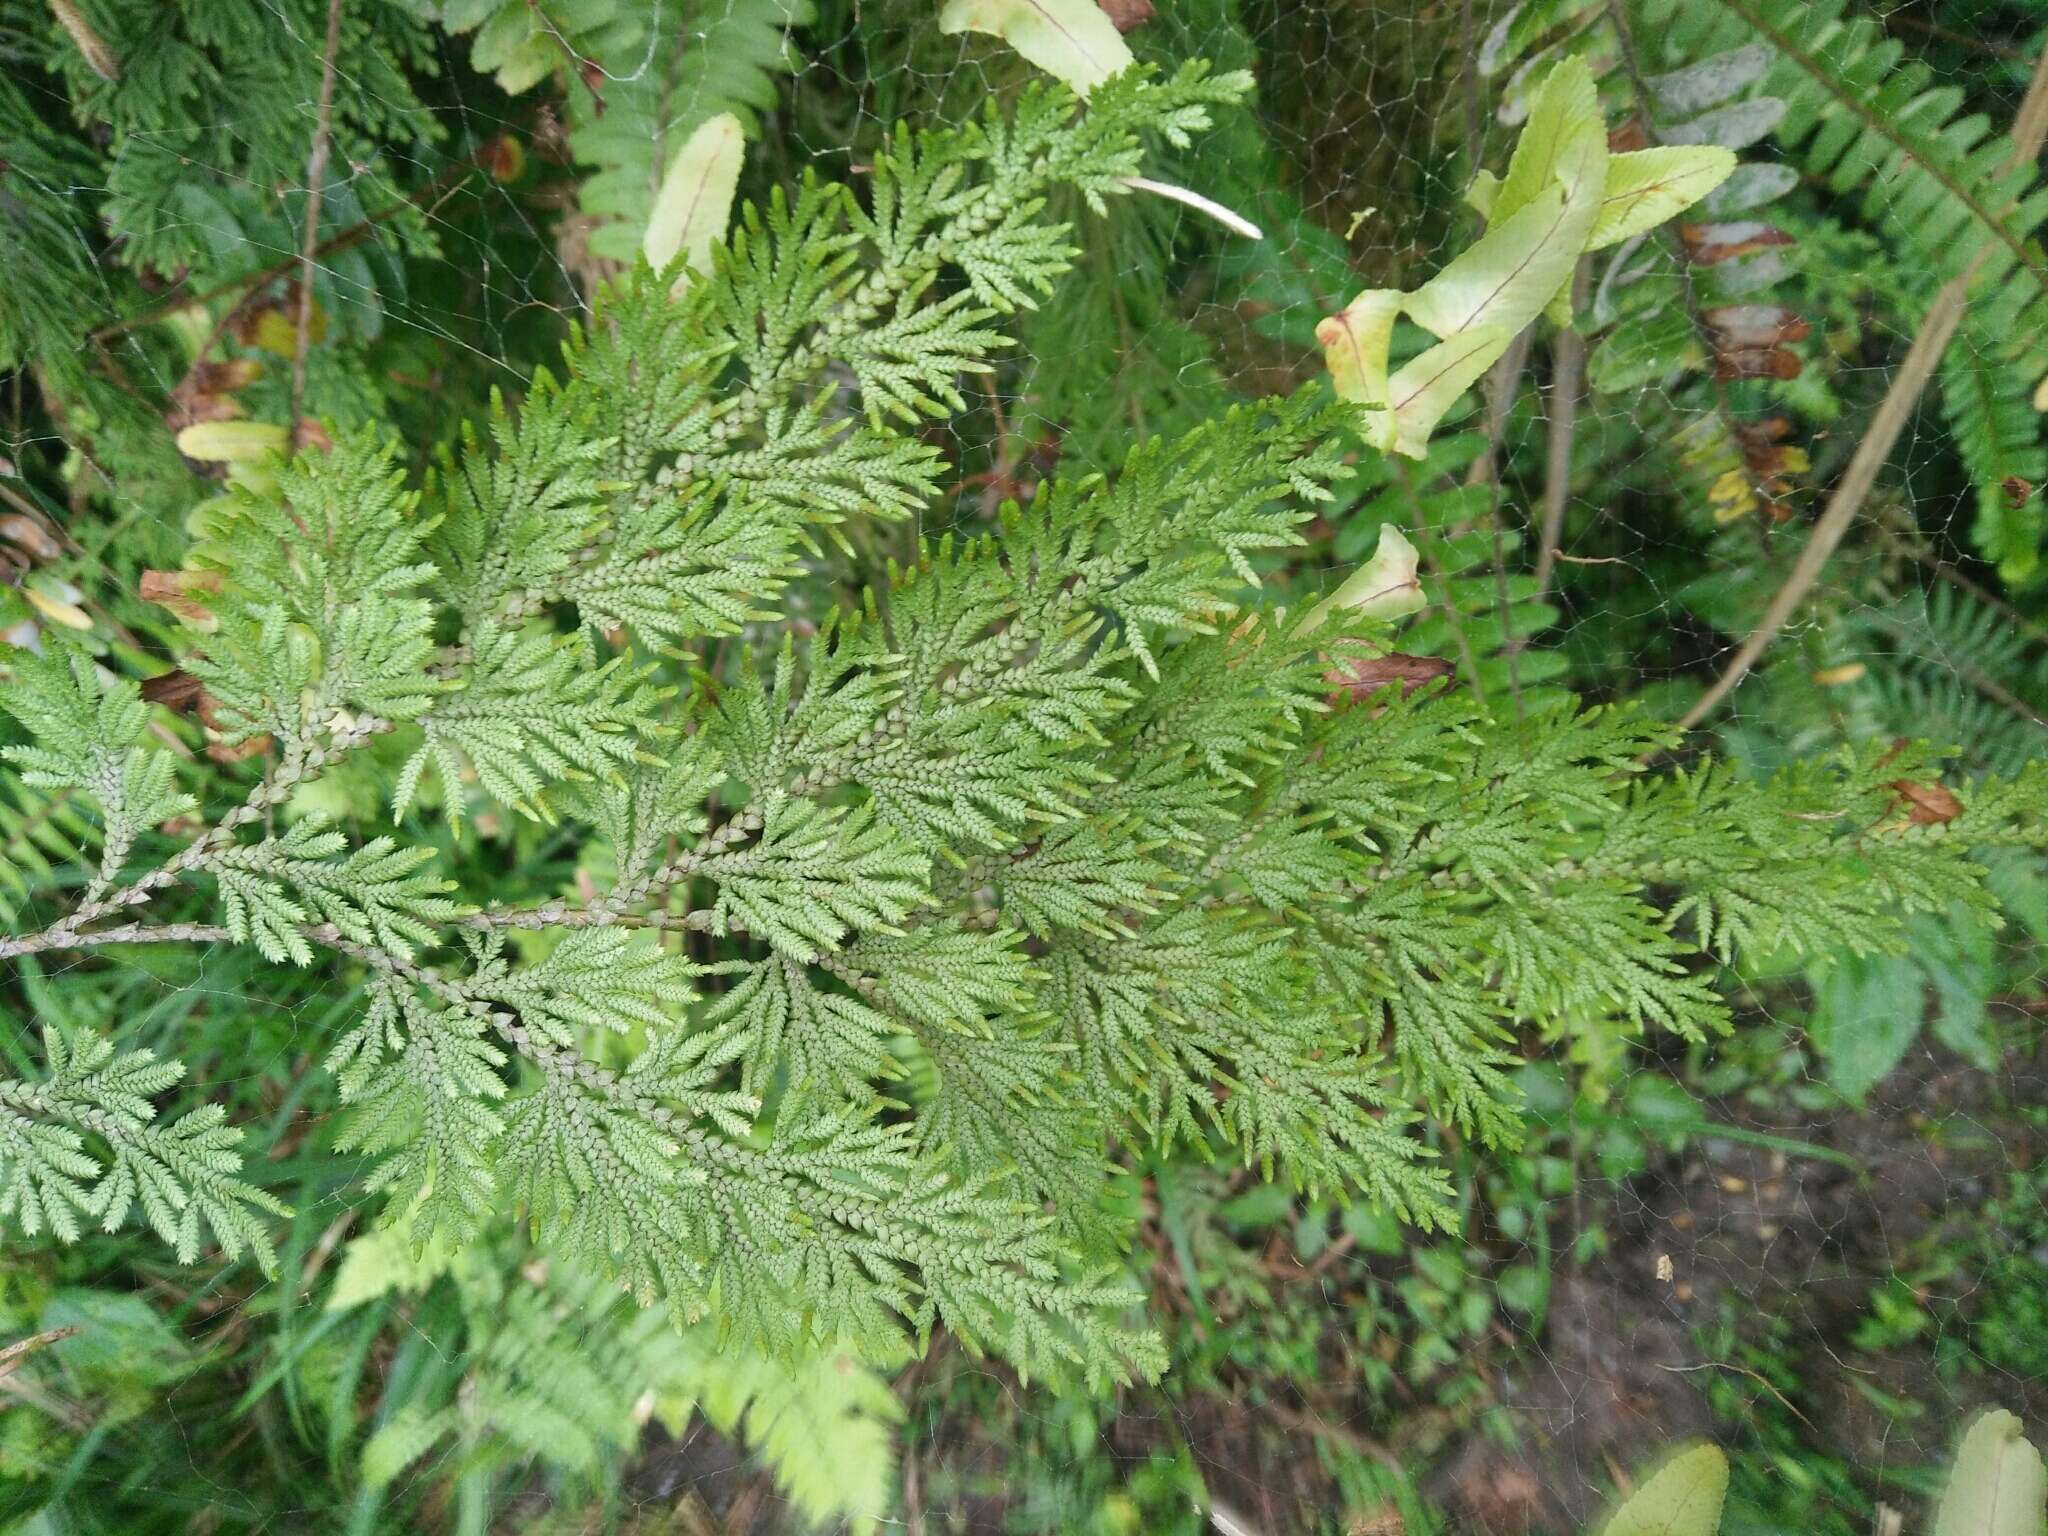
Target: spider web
[{"x": 1817, "y": 1241}]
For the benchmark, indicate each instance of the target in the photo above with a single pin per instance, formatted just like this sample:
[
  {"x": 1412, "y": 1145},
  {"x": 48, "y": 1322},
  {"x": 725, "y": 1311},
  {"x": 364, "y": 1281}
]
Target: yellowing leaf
[
  {"x": 230, "y": 442},
  {"x": 1648, "y": 186},
  {"x": 1069, "y": 39},
  {"x": 1998, "y": 1486},
  {"x": 1385, "y": 587},
  {"x": 275, "y": 331},
  {"x": 1538, "y": 218},
  {"x": 1507, "y": 278},
  {"x": 54, "y": 603},
  {"x": 1683, "y": 1498},
  {"x": 1563, "y": 193},
  {"x": 695, "y": 201},
  {"x": 1430, "y": 385},
  {"x": 382, "y": 1261},
  {"x": 1563, "y": 144},
  {"x": 1355, "y": 342},
  {"x": 1484, "y": 193},
  {"x": 1731, "y": 495}
]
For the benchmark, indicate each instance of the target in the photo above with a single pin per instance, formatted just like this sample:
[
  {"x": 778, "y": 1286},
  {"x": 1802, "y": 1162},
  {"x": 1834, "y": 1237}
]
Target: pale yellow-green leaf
[
  {"x": 1355, "y": 342},
  {"x": 1483, "y": 194},
  {"x": 1071, "y": 40},
  {"x": 1432, "y": 382},
  {"x": 1509, "y": 275},
  {"x": 821, "y": 1423},
  {"x": 382, "y": 1261},
  {"x": 1559, "y": 310},
  {"x": 56, "y": 600},
  {"x": 402, "y": 1440},
  {"x": 1385, "y": 587},
  {"x": 1563, "y": 144},
  {"x": 1997, "y": 1486},
  {"x": 1647, "y": 186},
  {"x": 1683, "y": 1498},
  {"x": 230, "y": 442},
  {"x": 694, "y": 204},
  {"x": 1563, "y": 195}
]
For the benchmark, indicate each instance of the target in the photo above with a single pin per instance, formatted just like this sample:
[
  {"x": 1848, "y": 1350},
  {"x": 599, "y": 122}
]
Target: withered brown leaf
[
  {"x": 1927, "y": 804},
  {"x": 1365, "y": 676},
  {"x": 1707, "y": 244}
]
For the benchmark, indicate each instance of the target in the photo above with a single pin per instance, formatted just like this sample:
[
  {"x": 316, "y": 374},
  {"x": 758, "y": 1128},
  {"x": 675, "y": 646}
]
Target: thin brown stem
[
  {"x": 254, "y": 283},
  {"x": 1568, "y": 375},
  {"x": 1937, "y": 329},
  {"x": 1993, "y": 221},
  {"x": 559, "y": 914},
  {"x": 302, "y": 759},
  {"x": 316, "y": 176}
]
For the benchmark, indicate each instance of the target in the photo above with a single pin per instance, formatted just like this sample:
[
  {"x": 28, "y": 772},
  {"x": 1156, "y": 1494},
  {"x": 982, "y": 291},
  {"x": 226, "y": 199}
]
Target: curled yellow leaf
[
  {"x": 1355, "y": 342},
  {"x": 1385, "y": 587},
  {"x": 55, "y": 602},
  {"x": 1071, "y": 40}
]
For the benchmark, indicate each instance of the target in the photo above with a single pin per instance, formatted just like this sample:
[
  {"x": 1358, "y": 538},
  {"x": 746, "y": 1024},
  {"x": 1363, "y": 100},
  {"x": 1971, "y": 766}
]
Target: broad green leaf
[
  {"x": 1998, "y": 1486},
  {"x": 119, "y": 1338},
  {"x": 1648, "y": 186},
  {"x": 695, "y": 201},
  {"x": 1072, "y": 40},
  {"x": 1713, "y": 80},
  {"x": 1683, "y": 1498},
  {"x": 1646, "y": 349},
  {"x": 1866, "y": 1014}
]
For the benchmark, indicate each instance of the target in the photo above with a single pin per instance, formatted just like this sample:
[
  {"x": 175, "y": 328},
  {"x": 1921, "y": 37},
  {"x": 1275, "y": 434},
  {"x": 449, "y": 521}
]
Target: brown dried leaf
[
  {"x": 29, "y": 536},
  {"x": 91, "y": 46},
  {"x": 1756, "y": 363},
  {"x": 1365, "y": 676},
  {"x": 176, "y": 591},
  {"x": 503, "y": 158},
  {"x": 1627, "y": 137},
  {"x": 176, "y": 690},
  {"x": 1706, "y": 244},
  {"x": 219, "y": 750},
  {"x": 207, "y": 392},
  {"x": 1927, "y": 804},
  {"x": 1756, "y": 325},
  {"x": 1127, "y": 15}
]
